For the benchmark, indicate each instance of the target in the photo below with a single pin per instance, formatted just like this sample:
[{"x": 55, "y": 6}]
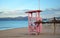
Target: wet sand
[{"x": 47, "y": 32}]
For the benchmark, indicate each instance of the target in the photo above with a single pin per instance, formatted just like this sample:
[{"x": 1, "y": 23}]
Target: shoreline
[{"x": 11, "y": 28}]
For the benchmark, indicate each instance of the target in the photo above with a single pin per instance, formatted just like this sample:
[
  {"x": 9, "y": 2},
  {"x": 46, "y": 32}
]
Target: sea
[{"x": 5, "y": 25}]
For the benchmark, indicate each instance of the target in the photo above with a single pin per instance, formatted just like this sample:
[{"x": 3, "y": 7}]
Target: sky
[{"x": 15, "y": 8}]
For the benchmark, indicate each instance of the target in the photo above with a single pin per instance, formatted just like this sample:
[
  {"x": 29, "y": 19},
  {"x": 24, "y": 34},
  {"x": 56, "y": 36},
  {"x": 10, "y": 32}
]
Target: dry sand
[{"x": 47, "y": 32}]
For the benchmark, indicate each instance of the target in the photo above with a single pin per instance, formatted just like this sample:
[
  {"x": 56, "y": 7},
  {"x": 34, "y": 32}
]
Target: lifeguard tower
[{"x": 34, "y": 22}]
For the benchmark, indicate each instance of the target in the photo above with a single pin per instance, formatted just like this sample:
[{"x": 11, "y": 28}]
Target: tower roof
[{"x": 33, "y": 11}]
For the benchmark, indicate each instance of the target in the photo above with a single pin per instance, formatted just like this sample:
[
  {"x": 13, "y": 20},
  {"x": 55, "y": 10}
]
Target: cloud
[
  {"x": 14, "y": 13},
  {"x": 49, "y": 13},
  {"x": 1, "y": 12}
]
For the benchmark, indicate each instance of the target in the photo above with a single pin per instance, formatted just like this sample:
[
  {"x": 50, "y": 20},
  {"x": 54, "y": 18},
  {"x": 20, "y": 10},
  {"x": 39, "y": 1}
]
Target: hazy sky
[{"x": 12, "y": 8}]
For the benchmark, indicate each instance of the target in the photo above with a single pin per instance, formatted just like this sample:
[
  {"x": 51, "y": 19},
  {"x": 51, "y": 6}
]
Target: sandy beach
[{"x": 47, "y": 32}]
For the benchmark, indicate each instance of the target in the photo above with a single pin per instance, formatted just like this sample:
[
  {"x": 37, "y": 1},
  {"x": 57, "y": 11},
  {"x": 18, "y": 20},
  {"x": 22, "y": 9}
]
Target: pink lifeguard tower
[{"x": 34, "y": 24}]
